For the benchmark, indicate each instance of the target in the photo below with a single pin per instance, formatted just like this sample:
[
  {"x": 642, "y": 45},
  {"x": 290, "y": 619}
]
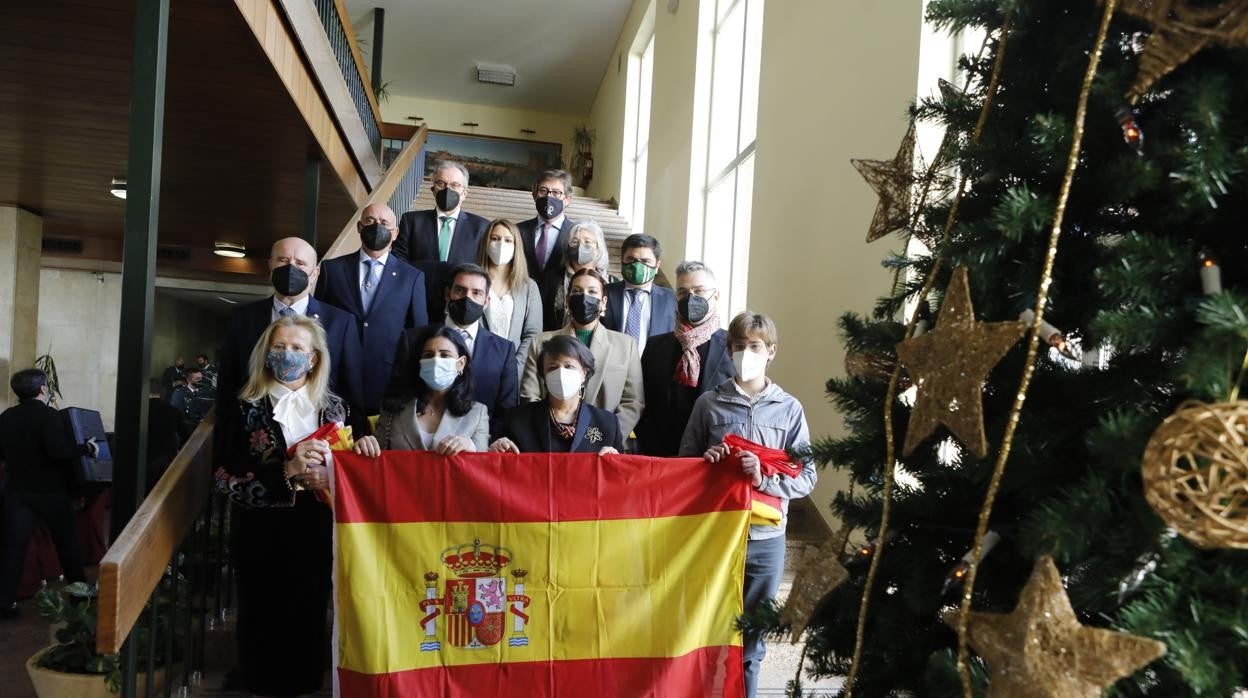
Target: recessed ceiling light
[
  {"x": 227, "y": 300},
  {"x": 229, "y": 249},
  {"x": 117, "y": 187}
]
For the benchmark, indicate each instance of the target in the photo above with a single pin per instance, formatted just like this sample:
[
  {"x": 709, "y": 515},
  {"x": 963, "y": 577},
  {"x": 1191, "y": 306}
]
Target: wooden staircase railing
[
  {"x": 402, "y": 179},
  {"x": 136, "y": 561}
]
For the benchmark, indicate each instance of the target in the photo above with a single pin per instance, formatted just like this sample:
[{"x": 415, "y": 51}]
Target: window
[
  {"x": 732, "y": 124},
  {"x": 637, "y": 137}
]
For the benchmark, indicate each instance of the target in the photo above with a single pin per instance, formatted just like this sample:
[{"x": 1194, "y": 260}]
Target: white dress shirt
[
  {"x": 552, "y": 236},
  {"x": 300, "y": 307},
  {"x": 471, "y": 339},
  {"x": 643, "y": 299},
  {"x": 379, "y": 270}
]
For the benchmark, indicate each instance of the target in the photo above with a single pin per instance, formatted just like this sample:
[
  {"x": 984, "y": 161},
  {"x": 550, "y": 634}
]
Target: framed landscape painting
[{"x": 507, "y": 163}]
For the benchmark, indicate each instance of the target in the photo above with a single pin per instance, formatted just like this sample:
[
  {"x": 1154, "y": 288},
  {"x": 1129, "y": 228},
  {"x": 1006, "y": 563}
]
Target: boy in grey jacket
[{"x": 753, "y": 407}]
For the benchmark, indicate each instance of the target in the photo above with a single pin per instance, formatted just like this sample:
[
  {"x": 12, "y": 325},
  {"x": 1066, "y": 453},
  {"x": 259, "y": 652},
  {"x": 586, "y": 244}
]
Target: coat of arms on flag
[
  {"x": 474, "y": 600},
  {"x": 629, "y": 567}
]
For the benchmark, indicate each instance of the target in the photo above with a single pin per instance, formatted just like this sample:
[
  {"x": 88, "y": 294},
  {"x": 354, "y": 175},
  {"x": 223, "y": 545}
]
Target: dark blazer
[
  {"x": 398, "y": 304},
  {"x": 528, "y": 426},
  {"x": 668, "y": 403},
  {"x": 662, "y": 309},
  {"x": 418, "y": 237},
  {"x": 38, "y": 449},
  {"x": 549, "y": 277},
  {"x": 243, "y": 329},
  {"x": 417, "y": 244},
  {"x": 494, "y": 379}
]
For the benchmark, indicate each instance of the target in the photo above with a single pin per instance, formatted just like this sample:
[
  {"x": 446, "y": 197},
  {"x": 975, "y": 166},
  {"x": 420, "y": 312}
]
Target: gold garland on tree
[
  {"x": 890, "y": 394},
  {"x": 1050, "y": 624}
]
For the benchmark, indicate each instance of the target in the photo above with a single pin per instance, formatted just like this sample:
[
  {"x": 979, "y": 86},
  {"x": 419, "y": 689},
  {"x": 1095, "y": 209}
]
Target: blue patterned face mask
[{"x": 289, "y": 366}]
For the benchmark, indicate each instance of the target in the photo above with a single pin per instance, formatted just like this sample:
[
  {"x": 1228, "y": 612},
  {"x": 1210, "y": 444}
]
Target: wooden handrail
[
  {"x": 359, "y": 59},
  {"x": 349, "y": 240},
  {"x": 135, "y": 562}
]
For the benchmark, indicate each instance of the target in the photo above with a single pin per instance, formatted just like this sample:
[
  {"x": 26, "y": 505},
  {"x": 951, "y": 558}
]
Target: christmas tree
[{"x": 1095, "y": 169}]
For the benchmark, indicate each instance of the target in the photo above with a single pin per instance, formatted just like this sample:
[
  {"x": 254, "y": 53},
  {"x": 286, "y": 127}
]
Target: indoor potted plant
[{"x": 70, "y": 667}]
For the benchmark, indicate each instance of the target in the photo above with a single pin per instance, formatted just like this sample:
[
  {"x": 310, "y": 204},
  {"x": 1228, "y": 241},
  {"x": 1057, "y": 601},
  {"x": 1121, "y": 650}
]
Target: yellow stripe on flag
[{"x": 597, "y": 589}]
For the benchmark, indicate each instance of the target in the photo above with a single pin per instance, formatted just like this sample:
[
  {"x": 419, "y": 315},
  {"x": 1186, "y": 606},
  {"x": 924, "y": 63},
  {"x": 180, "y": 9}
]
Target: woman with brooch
[{"x": 563, "y": 421}]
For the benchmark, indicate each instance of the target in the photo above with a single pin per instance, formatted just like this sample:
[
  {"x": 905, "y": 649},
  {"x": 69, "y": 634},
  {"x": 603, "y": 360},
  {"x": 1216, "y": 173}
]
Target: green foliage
[
  {"x": 1126, "y": 279},
  {"x": 76, "y": 606}
]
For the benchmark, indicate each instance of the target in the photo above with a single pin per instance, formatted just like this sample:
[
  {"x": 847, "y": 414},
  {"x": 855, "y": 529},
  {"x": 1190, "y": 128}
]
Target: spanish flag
[{"x": 537, "y": 575}]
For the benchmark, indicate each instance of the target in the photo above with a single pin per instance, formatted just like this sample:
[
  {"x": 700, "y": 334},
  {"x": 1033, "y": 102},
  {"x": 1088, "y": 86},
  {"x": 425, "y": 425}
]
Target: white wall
[
  {"x": 79, "y": 325},
  {"x": 836, "y": 81},
  {"x": 79, "y": 321}
]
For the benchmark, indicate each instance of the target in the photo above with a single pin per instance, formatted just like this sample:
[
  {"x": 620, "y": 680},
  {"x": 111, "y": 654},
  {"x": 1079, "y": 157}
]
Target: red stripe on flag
[
  {"x": 709, "y": 671},
  {"x": 418, "y": 486}
]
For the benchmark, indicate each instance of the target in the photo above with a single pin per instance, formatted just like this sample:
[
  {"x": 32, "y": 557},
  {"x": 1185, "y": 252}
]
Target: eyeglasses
[
  {"x": 700, "y": 291},
  {"x": 370, "y": 220},
  {"x": 557, "y": 193},
  {"x": 440, "y": 184}
]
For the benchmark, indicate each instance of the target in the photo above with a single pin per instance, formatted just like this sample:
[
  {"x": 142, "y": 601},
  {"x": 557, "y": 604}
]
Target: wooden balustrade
[{"x": 135, "y": 562}]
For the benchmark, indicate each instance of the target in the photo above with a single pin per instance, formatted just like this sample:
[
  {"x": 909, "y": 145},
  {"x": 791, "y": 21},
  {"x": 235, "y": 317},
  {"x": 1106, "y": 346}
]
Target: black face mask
[
  {"x": 446, "y": 199},
  {"x": 289, "y": 280},
  {"x": 583, "y": 308},
  {"x": 464, "y": 311},
  {"x": 375, "y": 237},
  {"x": 548, "y": 207},
  {"x": 693, "y": 309}
]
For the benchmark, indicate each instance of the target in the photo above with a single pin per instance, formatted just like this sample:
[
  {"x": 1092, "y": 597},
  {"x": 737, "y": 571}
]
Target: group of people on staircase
[{"x": 460, "y": 334}]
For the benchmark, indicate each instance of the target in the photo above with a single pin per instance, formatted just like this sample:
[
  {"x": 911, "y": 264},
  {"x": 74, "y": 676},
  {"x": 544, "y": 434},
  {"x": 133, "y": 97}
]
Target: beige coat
[{"x": 616, "y": 383}]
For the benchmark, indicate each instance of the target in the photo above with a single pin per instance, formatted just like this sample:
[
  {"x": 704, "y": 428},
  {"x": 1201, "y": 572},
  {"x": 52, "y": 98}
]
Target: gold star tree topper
[
  {"x": 818, "y": 572},
  {"x": 892, "y": 181},
  {"x": 949, "y": 365},
  {"x": 1040, "y": 650}
]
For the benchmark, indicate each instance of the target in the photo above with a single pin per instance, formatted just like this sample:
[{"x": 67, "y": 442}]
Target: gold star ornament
[
  {"x": 949, "y": 364},
  {"x": 892, "y": 181},
  {"x": 818, "y": 572},
  {"x": 1180, "y": 30},
  {"x": 1039, "y": 650}
]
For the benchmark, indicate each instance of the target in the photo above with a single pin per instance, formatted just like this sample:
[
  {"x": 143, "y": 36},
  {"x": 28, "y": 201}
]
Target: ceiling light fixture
[
  {"x": 229, "y": 249},
  {"x": 496, "y": 74},
  {"x": 223, "y": 299},
  {"x": 117, "y": 187}
]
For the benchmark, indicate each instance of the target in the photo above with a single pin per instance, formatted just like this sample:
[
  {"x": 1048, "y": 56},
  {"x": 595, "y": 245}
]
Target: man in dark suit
[
  {"x": 292, "y": 267},
  {"x": 679, "y": 366},
  {"x": 385, "y": 294},
  {"x": 437, "y": 239},
  {"x": 546, "y": 236},
  {"x": 637, "y": 306},
  {"x": 38, "y": 450},
  {"x": 493, "y": 358}
]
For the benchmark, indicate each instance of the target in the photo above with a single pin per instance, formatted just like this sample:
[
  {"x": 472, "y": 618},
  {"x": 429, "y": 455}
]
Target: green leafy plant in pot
[{"x": 76, "y": 606}]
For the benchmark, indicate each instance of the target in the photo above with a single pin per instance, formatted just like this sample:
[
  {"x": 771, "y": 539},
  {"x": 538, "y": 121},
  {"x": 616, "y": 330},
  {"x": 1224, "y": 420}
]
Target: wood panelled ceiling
[{"x": 234, "y": 148}]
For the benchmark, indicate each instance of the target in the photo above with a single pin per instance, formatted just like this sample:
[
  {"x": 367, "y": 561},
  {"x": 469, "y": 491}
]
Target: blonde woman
[
  {"x": 281, "y": 535},
  {"x": 586, "y": 249},
  {"x": 515, "y": 308}
]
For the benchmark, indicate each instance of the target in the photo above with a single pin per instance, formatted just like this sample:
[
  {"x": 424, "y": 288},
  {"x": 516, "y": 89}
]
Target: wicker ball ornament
[{"x": 1195, "y": 472}]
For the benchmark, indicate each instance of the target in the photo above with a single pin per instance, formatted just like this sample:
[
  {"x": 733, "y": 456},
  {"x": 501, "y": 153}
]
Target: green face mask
[{"x": 638, "y": 273}]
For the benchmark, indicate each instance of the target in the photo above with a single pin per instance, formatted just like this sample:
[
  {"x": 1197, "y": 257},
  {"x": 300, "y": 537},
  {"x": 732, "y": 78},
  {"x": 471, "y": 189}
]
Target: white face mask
[
  {"x": 439, "y": 372},
  {"x": 749, "y": 365},
  {"x": 564, "y": 383},
  {"x": 501, "y": 252}
]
